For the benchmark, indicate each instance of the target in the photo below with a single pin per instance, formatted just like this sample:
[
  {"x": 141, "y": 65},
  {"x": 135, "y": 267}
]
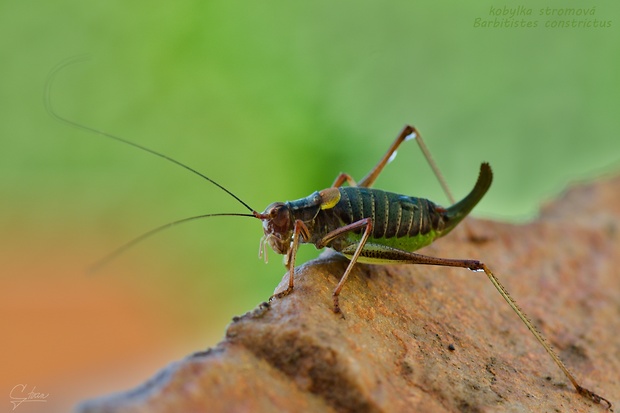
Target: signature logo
[{"x": 19, "y": 395}]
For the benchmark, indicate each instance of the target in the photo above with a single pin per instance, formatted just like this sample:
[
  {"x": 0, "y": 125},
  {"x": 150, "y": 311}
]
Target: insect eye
[{"x": 279, "y": 215}]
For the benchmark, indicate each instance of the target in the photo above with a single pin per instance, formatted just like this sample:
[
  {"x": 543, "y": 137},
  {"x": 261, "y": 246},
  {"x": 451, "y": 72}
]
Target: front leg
[{"x": 300, "y": 230}]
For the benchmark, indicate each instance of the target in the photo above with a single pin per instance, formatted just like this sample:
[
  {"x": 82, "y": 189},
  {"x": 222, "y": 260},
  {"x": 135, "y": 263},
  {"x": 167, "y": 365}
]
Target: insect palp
[{"x": 262, "y": 251}]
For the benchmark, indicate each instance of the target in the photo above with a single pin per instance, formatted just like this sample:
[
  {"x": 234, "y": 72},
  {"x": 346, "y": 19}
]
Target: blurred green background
[{"x": 272, "y": 100}]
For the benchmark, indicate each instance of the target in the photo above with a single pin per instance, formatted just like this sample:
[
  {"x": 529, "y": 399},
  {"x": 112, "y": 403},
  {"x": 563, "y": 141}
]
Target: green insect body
[{"x": 399, "y": 222}]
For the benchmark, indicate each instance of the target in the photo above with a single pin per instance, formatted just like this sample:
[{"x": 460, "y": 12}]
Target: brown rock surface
[{"x": 425, "y": 339}]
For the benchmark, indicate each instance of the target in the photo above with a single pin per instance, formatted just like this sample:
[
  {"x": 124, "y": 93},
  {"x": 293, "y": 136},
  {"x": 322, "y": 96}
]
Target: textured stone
[{"x": 425, "y": 339}]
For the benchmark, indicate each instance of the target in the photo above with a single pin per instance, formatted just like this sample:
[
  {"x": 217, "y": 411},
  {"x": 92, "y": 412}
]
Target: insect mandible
[{"x": 362, "y": 223}]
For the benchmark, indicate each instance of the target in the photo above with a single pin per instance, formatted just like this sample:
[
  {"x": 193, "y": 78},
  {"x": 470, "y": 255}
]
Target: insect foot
[
  {"x": 281, "y": 294},
  {"x": 594, "y": 397},
  {"x": 336, "y": 307}
]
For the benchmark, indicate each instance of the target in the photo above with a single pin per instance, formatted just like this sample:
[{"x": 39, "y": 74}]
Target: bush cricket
[{"x": 362, "y": 223}]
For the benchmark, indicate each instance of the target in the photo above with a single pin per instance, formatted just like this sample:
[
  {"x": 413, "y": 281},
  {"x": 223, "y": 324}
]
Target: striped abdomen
[
  {"x": 393, "y": 215},
  {"x": 399, "y": 221}
]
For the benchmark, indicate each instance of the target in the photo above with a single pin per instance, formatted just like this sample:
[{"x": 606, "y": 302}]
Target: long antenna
[
  {"x": 105, "y": 260},
  {"x": 47, "y": 99}
]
